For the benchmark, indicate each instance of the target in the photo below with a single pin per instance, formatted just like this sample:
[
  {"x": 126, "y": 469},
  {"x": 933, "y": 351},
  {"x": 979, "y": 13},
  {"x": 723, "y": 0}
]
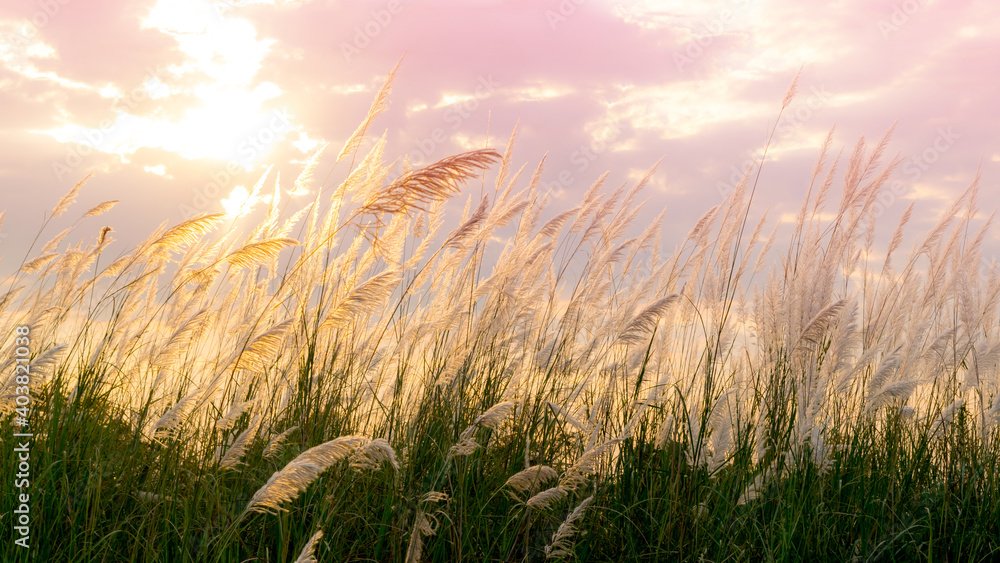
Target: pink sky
[{"x": 160, "y": 98}]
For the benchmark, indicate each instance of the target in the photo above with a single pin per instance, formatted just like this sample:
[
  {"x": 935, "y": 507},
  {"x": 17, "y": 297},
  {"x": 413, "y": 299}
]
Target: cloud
[{"x": 189, "y": 87}]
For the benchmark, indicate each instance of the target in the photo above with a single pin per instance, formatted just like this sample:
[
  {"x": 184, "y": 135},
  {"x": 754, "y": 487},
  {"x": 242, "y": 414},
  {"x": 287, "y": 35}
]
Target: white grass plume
[
  {"x": 168, "y": 423},
  {"x": 424, "y": 524},
  {"x": 68, "y": 199},
  {"x": 187, "y": 233},
  {"x": 234, "y": 413},
  {"x": 562, "y": 540},
  {"x": 418, "y": 189},
  {"x": 263, "y": 348},
  {"x": 308, "y": 553},
  {"x": 643, "y": 323},
  {"x": 374, "y": 454},
  {"x": 236, "y": 451},
  {"x": 947, "y": 416},
  {"x": 259, "y": 253},
  {"x": 286, "y": 484},
  {"x": 101, "y": 208},
  {"x": 42, "y": 366},
  {"x": 528, "y": 480},
  {"x": 38, "y": 263},
  {"x": 379, "y": 105},
  {"x": 585, "y": 465},
  {"x": 569, "y": 418},
  {"x": 547, "y": 498},
  {"x": 493, "y": 416},
  {"x": 272, "y": 447},
  {"x": 364, "y": 298}
]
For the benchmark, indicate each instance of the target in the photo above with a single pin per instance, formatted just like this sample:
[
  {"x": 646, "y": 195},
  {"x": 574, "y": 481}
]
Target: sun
[
  {"x": 239, "y": 202},
  {"x": 226, "y": 112}
]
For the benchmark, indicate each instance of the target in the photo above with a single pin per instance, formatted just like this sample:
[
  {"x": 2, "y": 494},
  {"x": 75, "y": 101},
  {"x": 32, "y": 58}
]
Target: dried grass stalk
[
  {"x": 308, "y": 554},
  {"x": 286, "y": 484},
  {"x": 418, "y": 189}
]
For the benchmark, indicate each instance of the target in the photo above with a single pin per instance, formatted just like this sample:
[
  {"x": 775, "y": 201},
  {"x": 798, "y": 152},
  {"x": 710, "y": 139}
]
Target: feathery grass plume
[
  {"x": 373, "y": 454},
  {"x": 9, "y": 297},
  {"x": 42, "y": 366},
  {"x": 552, "y": 227},
  {"x": 562, "y": 540},
  {"x": 237, "y": 410},
  {"x": 186, "y": 233},
  {"x": 665, "y": 433},
  {"x": 415, "y": 190},
  {"x": 899, "y": 390},
  {"x": 897, "y": 239},
  {"x": 434, "y": 496},
  {"x": 752, "y": 490},
  {"x": 290, "y": 223},
  {"x": 547, "y": 498},
  {"x": 643, "y": 323},
  {"x": 239, "y": 447},
  {"x": 38, "y": 263},
  {"x": 465, "y": 445},
  {"x": 69, "y": 198},
  {"x": 792, "y": 90},
  {"x": 261, "y": 351},
  {"x": 585, "y": 465},
  {"x": 886, "y": 368},
  {"x": 308, "y": 554},
  {"x": 458, "y": 238},
  {"x": 257, "y": 253},
  {"x": 504, "y": 172},
  {"x": 286, "y": 484},
  {"x": 168, "y": 423},
  {"x": 272, "y": 447},
  {"x": 300, "y": 186},
  {"x": 492, "y": 418},
  {"x": 180, "y": 341},
  {"x": 944, "y": 420},
  {"x": 379, "y": 105},
  {"x": 100, "y": 208},
  {"x": 530, "y": 479},
  {"x": 365, "y": 297},
  {"x": 817, "y": 327},
  {"x": 424, "y": 524},
  {"x": 102, "y": 238}
]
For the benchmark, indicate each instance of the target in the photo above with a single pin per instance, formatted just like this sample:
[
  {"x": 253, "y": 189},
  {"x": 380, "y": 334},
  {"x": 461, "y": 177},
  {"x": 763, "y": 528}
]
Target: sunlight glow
[
  {"x": 221, "y": 57},
  {"x": 239, "y": 202}
]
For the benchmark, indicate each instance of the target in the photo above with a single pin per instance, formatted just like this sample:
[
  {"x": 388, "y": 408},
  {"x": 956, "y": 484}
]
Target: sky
[{"x": 177, "y": 106}]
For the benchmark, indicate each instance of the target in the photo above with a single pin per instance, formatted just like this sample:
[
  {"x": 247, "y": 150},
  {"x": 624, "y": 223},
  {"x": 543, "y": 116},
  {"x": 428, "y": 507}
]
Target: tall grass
[{"x": 354, "y": 381}]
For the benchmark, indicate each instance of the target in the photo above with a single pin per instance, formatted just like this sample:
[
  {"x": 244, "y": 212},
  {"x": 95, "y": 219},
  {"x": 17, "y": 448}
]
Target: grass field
[{"x": 355, "y": 380}]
